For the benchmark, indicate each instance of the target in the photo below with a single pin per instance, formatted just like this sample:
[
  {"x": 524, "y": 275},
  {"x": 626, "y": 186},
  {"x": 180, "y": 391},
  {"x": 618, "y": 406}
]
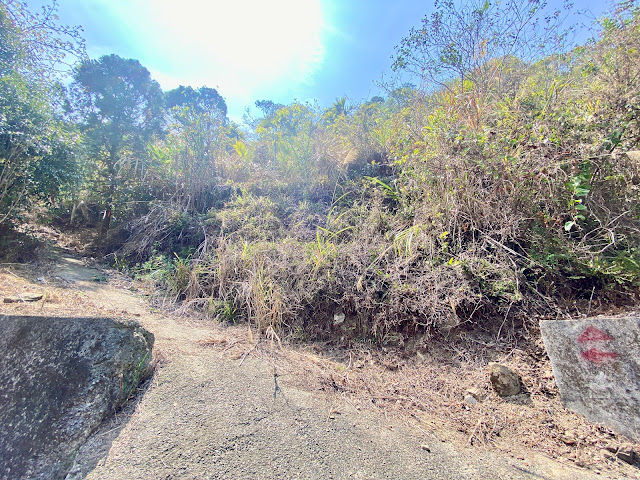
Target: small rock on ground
[{"x": 505, "y": 381}]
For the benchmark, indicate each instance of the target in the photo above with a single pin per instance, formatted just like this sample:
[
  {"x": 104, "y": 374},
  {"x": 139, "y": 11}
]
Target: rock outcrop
[{"x": 59, "y": 378}]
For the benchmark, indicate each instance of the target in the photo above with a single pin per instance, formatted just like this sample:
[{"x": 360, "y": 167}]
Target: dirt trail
[{"x": 206, "y": 416}]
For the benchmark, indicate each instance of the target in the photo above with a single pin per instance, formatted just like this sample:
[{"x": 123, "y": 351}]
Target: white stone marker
[{"x": 596, "y": 363}]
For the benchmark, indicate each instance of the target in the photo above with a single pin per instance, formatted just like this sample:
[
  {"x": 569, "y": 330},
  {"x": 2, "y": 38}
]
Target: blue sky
[{"x": 249, "y": 50}]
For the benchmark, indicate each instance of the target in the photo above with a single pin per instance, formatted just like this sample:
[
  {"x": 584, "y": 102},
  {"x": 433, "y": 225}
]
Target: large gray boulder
[
  {"x": 59, "y": 378},
  {"x": 596, "y": 363}
]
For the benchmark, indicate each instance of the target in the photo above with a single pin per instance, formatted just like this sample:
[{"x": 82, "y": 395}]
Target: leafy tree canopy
[
  {"x": 117, "y": 100},
  {"x": 268, "y": 107},
  {"x": 36, "y": 43},
  {"x": 201, "y": 100},
  {"x": 120, "y": 111},
  {"x": 36, "y": 150}
]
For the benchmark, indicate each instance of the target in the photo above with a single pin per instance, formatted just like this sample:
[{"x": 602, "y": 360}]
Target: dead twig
[
  {"x": 475, "y": 430},
  {"x": 244, "y": 356}
]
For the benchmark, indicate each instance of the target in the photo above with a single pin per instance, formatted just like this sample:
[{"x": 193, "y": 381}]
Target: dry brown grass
[{"x": 427, "y": 391}]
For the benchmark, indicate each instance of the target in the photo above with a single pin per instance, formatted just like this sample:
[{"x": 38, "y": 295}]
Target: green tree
[
  {"x": 268, "y": 107},
  {"x": 337, "y": 110},
  {"x": 36, "y": 43},
  {"x": 120, "y": 110},
  {"x": 459, "y": 40},
  {"x": 36, "y": 150},
  {"x": 202, "y": 100},
  {"x": 467, "y": 54}
]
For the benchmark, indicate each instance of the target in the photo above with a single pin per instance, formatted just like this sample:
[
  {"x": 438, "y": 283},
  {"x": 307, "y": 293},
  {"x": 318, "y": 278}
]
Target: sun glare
[{"x": 238, "y": 45}]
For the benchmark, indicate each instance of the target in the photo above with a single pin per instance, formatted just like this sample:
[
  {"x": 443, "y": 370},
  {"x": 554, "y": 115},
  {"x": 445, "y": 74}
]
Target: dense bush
[{"x": 440, "y": 212}]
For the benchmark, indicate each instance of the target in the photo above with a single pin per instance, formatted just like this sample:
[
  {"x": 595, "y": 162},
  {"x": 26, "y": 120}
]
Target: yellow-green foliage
[{"x": 251, "y": 218}]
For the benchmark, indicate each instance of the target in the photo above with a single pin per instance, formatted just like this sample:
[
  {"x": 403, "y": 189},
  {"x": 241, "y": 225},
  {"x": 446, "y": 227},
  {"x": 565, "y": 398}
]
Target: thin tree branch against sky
[{"x": 253, "y": 49}]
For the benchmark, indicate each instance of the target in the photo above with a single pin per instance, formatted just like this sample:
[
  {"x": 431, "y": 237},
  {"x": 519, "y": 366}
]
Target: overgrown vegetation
[
  {"x": 503, "y": 189},
  {"x": 37, "y": 154}
]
